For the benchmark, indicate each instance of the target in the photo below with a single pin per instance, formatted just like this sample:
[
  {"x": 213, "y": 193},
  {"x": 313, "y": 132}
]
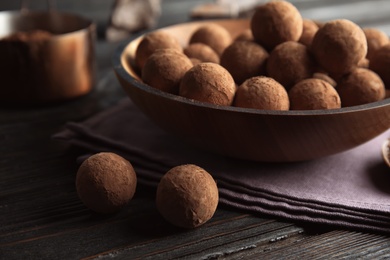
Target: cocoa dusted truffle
[
  {"x": 312, "y": 94},
  {"x": 380, "y": 63},
  {"x": 208, "y": 82},
  {"x": 245, "y": 35},
  {"x": 289, "y": 63},
  {"x": 262, "y": 93},
  {"x": 310, "y": 29},
  {"x": 375, "y": 40},
  {"x": 244, "y": 59},
  {"x": 153, "y": 41},
  {"x": 339, "y": 46},
  {"x": 187, "y": 196},
  {"x": 106, "y": 182},
  {"x": 276, "y": 22},
  {"x": 201, "y": 52},
  {"x": 213, "y": 35},
  {"x": 361, "y": 86},
  {"x": 165, "y": 68}
]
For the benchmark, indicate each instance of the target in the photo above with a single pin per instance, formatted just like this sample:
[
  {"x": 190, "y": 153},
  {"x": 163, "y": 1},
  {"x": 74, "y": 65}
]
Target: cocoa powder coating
[
  {"x": 310, "y": 29},
  {"x": 153, "y": 41},
  {"x": 201, "y": 52},
  {"x": 213, "y": 35},
  {"x": 245, "y": 35},
  {"x": 289, "y": 63},
  {"x": 312, "y": 94},
  {"x": 359, "y": 87},
  {"x": 244, "y": 59},
  {"x": 187, "y": 196},
  {"x": 276, "y": 22},
  {"x": 165, "y": 68},
  {"x": 375, "y": 40},
  {"x": 262, "y": 93},
  {"x": 105, "y": 182},
  {"x": 338, "y": 46},
  {"x": 380, "y": 63},
  {"x": 208, "y": 82}
]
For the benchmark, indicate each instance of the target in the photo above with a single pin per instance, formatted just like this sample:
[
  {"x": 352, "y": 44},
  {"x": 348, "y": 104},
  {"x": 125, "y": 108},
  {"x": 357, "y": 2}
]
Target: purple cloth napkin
[{"x": 350, "y": 189}]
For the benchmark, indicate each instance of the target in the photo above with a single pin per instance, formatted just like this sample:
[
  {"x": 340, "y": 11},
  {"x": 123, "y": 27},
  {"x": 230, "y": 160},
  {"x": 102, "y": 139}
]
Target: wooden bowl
[{"x": 259, "y": 135}]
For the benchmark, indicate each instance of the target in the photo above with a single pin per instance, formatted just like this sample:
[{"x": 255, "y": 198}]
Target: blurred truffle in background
[{"x": 129, "y": 16}]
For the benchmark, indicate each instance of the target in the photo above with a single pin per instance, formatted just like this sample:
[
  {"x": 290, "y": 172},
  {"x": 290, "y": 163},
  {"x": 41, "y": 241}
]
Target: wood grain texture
[{"x": 41, "y": 216}]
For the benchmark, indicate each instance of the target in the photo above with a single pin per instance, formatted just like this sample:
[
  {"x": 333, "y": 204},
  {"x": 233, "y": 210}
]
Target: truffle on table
[
  {"x": 213, "y": 35},
  {"x": 312, "y": 94},
  {"x": 187, "y": 196},
  {"x": 380, "y": 63},
  {"x": 106, "y": 182},
  {"x": 244, "y": 59},
  {"x": 262, "y": 93},
  {"x": 164, "y": 70},
  {"x": 201, "y": 52},
  {"x": 339, "y": 46},
  {"x": 245, "y": 35},
  {"x": 375, "y": 40},
  {"x": 289, "y": 63},
  {"x": 359, "y": 87},
  {"x": 276, "y": 22},
  {"x": 153, "y": 41},
  {"x": 208, "y": 82}
]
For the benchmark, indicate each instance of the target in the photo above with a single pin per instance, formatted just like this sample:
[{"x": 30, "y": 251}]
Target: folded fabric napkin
[{"x": 350, "y": 189}]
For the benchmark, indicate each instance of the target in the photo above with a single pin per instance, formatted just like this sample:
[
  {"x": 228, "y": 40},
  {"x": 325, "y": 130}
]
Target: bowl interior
[{"x": 260, "y": 135}]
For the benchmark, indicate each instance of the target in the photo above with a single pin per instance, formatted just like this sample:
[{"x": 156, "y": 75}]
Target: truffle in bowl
[{"x": 248, "y": 133}]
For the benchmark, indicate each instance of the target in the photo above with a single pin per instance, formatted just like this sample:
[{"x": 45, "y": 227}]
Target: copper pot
[{"x": 46, "y": 70}]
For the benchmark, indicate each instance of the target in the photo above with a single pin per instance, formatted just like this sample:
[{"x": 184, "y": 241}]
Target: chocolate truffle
[
  {"x": 380, "y": 63},
  {"x": 375, "y": 40},
  {"x": 165, "y": 68},
  {"x": 245, "y": 35},
  {"x": 276, "y": 22},
  {"x": 153, "y": 41},
  {"x": 201, "y": 52},
  {"x": 244, "y": 59},
  {"x": 338, "y": 46},
  {"x": 262, "y": 93},
  {"x": 208, "y": 82},
  {"x": 213, "y": 35},
  {"x": 106, "y": 182},
  {"x": 289, "y": 63},
  {"x": 325, "y": 77},
  {"x": 310, "y": 29},
  {"x": 311, "y": 94},
  {"x": 187, "y": 196},
  {"x": 361, "y": 86}
]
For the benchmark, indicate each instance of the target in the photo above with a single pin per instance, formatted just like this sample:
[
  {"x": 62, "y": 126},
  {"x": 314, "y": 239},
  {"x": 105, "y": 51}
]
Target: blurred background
[{"x": 366, "y": 13}]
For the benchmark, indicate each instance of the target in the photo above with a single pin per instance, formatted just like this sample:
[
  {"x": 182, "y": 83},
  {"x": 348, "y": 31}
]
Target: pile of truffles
[
  {"x": 187, "y": 195},
  {"x": 281, "y": 62}
]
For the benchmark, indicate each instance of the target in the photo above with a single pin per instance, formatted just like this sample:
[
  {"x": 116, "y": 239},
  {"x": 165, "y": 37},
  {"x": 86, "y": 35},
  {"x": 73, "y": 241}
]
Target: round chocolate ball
[
  {"x": 245, "y": 35},
  {"x": 312, "y": 94},
  {"x": 164, "y": 70},
  {"x": 153, "y": 41},
  {"x": 262, "y": 93},
  {"x": 213, "y": 35},
  {"x": 380, "y": 63},
  {"x": 289, "y": 63},
  {"x": 310, "y": 29},
  {"x": 276, "y": 22},
  {"x": 187, "y": 196},
  {"x": 339, "y": 46},
  {"x": 106, "y": 182},
  {"x": 202, "y": 52},
  {"x": 375, "y": 40},
  {"x": 208, "y": 82},
  {"x": 244, "y": 59},
  {"x": 359, "y": 87}
]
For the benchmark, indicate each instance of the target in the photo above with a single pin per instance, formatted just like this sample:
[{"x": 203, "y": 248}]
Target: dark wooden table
[{"x": 41, "y": 216}]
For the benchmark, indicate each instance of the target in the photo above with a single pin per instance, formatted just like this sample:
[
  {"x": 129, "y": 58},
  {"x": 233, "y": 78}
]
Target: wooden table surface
[{"x": 41, "y": 216}]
